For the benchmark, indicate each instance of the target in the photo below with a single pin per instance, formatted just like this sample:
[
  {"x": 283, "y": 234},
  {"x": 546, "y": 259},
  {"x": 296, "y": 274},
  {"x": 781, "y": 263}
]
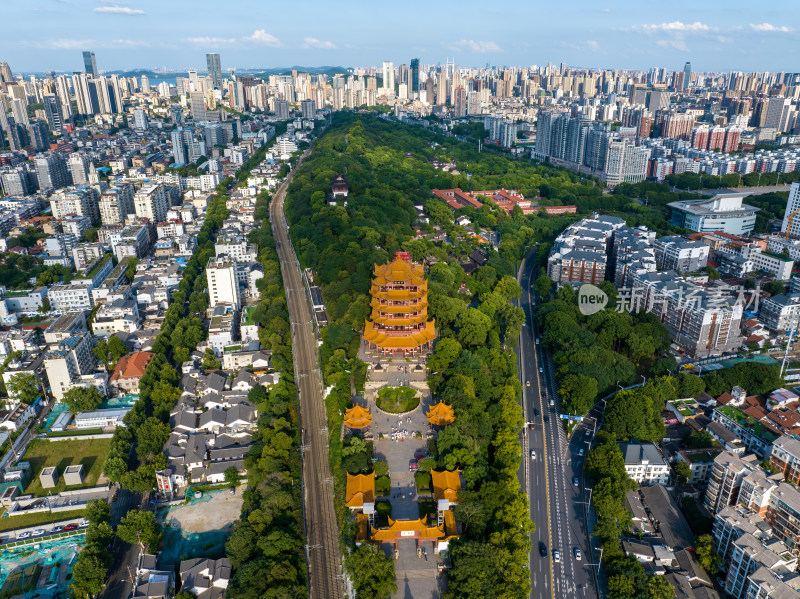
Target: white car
[
  {"x": 38, "y": 532},
  {"x": 577, "y": 554},
  {"x": 24, "y": 535},
  {"x": 533, "y": 454},
  {"x": 556, "y": 556}
]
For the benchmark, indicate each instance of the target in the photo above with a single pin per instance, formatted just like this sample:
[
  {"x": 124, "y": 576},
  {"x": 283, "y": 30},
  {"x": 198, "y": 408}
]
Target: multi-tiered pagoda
[{"x": 399, "y": 320}]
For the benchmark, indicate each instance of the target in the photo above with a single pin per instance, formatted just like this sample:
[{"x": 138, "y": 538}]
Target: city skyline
[{"x": 736, "y": 36}]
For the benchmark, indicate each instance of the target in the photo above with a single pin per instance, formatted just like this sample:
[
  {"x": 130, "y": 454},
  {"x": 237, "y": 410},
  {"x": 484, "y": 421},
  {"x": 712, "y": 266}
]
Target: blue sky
[{"x": 715, "y": 35}]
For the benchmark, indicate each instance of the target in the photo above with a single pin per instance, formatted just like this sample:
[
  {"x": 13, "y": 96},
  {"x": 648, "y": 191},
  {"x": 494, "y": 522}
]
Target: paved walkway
[{"x": 401, "y": 440}]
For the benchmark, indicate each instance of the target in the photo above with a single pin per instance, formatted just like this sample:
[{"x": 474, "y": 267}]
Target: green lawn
[
  {"x": 89, "y": 452},
  {"x": 397, "y": 399},
  {"x": 14, "y": 522}
]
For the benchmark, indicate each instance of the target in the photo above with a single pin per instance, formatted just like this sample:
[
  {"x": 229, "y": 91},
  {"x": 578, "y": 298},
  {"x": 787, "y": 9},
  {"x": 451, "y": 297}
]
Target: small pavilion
[{"x": 440, "y": 414}]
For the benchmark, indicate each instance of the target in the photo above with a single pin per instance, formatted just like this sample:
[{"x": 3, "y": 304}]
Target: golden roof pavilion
[
  {"x": 399, "y": 320},
  {"x": 440, "y": 414},
  {"x": 357, "y": 417}
]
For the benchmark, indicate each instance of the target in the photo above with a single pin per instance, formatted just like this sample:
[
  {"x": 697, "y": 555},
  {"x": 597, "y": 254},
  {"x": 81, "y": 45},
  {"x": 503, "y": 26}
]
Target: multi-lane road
[
  {"x": 556, "y": 501},
  {"x": 322, "y": 534}
]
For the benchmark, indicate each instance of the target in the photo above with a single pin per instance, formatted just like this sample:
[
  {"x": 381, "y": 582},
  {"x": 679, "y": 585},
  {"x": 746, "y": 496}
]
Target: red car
[{"x": 69, "y": 527}]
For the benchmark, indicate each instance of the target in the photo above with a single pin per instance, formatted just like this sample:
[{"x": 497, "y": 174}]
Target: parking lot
[{"x": 43, "y": 531}]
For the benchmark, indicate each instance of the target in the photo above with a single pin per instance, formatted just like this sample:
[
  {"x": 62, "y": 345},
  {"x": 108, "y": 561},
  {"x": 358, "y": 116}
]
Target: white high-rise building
[
  {"x": 78, "y": 165},
  {"x": 116, "y": 203},
  {"x": 388, "y": 76},
  {"x": 791, "y": 218},
  {"x": 140, "y": 119},
  {"x": 151, "y": 202},
  {"x": 223, "y": 284}
]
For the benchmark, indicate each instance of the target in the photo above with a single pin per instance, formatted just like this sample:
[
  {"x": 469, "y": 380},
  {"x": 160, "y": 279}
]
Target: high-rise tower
[
  {"x": 214, "y": 70},
  {"x": 414, "y": 75},
  {"x": 687, "y": 74},
  {"x": 89, "y": 63}
]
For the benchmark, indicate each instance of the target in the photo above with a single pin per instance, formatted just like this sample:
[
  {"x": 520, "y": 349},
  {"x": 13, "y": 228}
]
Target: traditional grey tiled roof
[
  {"x": 209, "y": 399},
  {"x": 212, "y": 418},
  {"x": 216, "y": 468},
  {"x": 183, "y": 421},
  {"x": 188, "y": 383},
  {"x": 216, "y": 382},
  {"x": 228, "y": 453}
]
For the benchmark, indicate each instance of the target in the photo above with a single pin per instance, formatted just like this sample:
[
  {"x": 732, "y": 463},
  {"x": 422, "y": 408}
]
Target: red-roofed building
[
  {"x": 560, "y": 209},
  {"x": 129, "y": 371},
  {"x": 456, "y": 198},
  {"x": 504, "y": 198}
]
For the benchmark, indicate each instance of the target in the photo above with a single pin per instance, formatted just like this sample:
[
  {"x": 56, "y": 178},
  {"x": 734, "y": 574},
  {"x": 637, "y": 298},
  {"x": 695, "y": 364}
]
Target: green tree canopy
[
  {"x": 371, "y": 572},
  {"x": 82, "y": 399},
  {"x": 24, "y": 387},
  {"x": 140, "y": 528}
]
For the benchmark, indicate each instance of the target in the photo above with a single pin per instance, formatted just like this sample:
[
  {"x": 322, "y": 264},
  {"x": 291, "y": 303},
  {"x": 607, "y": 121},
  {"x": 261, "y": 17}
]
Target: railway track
[{"x": 325, "y": 573}]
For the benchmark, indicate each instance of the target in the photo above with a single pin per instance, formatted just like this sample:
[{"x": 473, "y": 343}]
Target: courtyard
[
  {"x": 401, "y": 440},
  {"x": 91, "y": 453}
]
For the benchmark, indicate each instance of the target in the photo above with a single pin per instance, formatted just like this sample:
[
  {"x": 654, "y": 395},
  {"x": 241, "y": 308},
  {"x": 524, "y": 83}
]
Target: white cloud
[
  {"x": 608, "y": 11},
  {"x": 117, "y": 9},
  {"x": 259, "y": 36},
  {"x": 770, "y": 28},
  {"x": 479, "y": 47},
  {"x": 593, "y": 45},
  {"x": 262, "y": 37},
  {"x": 675, "y": 27},
  {"x": 211, "y": 41},
  {"x": 71, "y": 44},
  {"x": 312, "y": 42}
]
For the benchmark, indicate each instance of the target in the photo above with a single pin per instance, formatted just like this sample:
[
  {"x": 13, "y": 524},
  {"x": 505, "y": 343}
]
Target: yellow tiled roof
[
  {"x": 440, "y": 414},
  {"x": 360, "y": 490},
  {"x": 446, "y": 484},
  {"x": 357, "y": 417}
]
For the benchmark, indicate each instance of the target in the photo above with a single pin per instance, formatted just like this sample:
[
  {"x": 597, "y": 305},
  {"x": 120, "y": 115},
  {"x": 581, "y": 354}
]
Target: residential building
[
  {"x": 223, "y": 283},
  {"x": 785, "y": 457},
  {"x": 756, "y": 437},
  {"x": 117, "y": 316},
  {"x": 680, "y": 254},
  {"x": 727, "y": 472},
  {"x": 51, "y": 170},
  {"x": 791, "y": 221},
  {"x": 645, "y": 464},
  {"x": 116, "y": 203},
  {"x": 70, "y": 296},
  {"x": 78, "y": 201},
  {"x": 701, "y": 464},
  {"x": 129, "y": 371},
  {"x": 205, "y": 578},
  {"x": 282, "y": 110},
  {"x": 78, "y": 165},
  {"x": 700, "y": 323},
  {"x": 151, "y": 203},
  {"x": 66, "y": 362},
  {"x": 308, "y": 109},
  {"x": 780, "y": 312}
]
